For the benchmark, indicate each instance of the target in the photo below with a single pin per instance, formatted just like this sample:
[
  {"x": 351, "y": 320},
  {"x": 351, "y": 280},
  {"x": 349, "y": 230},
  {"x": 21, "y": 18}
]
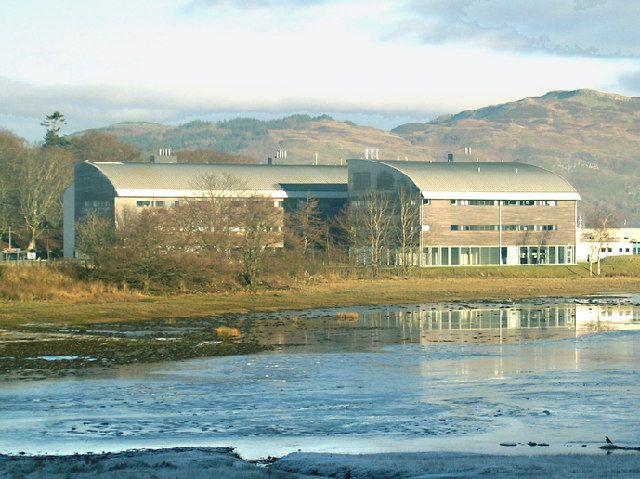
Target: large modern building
[
  {"x": 113, "y": 190},
  {"x": 471, "y": 213}
]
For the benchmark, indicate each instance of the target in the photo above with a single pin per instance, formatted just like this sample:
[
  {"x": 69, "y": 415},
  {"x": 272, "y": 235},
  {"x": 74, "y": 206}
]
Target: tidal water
[{"x": 460, "y": 377}]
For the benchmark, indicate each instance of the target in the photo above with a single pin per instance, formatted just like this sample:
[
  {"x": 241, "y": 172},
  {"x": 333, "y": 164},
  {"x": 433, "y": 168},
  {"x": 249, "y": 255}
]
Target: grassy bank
[
  {"x": 333, "y": 294},
  {"x": 98, "y": 327},
  {"x": 39, "y": 295}
]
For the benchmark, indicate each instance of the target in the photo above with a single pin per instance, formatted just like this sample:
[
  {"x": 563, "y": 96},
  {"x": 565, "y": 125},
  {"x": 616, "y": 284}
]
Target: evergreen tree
[{"x": 53, "y": 123}]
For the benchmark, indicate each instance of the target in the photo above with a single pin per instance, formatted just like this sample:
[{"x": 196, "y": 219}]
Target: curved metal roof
[
  {"x": 484, "y": 180},
  {"x": 180, "y": 179}
]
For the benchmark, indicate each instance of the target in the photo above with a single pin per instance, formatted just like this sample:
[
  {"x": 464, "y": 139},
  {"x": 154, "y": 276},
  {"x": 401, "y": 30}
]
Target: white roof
[
  {"x": 484, "y": 180},
  {"x": 181, "y": 180}
]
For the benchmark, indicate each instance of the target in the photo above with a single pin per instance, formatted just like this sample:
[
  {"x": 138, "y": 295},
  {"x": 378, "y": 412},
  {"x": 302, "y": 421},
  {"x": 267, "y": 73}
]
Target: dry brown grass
[
  {"x": 350, "y": 315},
  {"x": 225, "y": 332},
  {"x": 344, "y": 293},
  {"x": 47, "y": 283}
]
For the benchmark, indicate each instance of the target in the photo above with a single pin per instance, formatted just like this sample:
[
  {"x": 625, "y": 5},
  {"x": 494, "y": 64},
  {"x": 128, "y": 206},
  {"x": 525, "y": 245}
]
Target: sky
[{"x": 375, "y": 62}]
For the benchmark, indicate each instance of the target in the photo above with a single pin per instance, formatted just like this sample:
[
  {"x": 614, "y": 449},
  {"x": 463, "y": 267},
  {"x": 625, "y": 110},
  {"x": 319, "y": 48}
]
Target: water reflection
[
  {"x": 607, "y": 317},
  {"x": 419, "y": 377},
  {"x": 364, "y": 328}
]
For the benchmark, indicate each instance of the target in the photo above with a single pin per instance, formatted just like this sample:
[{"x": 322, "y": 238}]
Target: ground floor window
[
  {"x": 494, "y": 255},
  {"x": 467, "y": 255}
]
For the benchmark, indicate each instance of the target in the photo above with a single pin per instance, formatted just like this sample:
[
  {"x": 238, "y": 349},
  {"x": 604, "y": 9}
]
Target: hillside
[
  {"x": 591, "y": 138},
  {"x": 301, "y": 135}
]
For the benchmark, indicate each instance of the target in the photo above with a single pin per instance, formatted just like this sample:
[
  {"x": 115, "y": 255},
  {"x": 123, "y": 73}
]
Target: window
[
  {"x": 96, "y": 204},
  {"x": 504, "y": 227},
  {"x": 426, "y": 201},
  {"x": 426, "y": 228},
  {"x": 385, "y": 181},
  {"x": 529, "y": 202},
  {"x": 362, "y": 181},
  {"x": 143, "y": 204},
  {"x": 473, "y": 202}
]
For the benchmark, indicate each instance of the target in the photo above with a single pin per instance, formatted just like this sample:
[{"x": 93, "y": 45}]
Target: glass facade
[{"x": 493, "y": 255}]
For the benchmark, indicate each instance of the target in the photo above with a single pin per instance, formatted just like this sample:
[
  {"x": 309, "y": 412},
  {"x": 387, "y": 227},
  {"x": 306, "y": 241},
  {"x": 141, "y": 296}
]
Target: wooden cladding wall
[{"x": 441, "y": 214}]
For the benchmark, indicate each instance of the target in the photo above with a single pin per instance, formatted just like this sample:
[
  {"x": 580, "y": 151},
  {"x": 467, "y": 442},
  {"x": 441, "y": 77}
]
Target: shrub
[{"x": 226, "y": 332}]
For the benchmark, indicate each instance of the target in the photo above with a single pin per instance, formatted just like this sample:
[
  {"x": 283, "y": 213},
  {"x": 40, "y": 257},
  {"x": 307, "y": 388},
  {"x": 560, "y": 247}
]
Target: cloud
[
  {"x": 23, "y": 105},
  {"x": 630, "y": 82},
  {"x": 590, "y": 28},
  {"x": 196, "y": 5}
]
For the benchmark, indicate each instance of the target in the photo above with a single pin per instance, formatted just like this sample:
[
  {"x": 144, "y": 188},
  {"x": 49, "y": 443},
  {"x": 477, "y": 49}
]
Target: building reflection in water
[{"x": 445, "y": 323}]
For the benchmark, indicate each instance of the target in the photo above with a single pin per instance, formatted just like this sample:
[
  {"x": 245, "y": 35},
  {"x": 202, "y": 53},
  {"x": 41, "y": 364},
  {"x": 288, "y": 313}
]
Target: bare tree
[
  {"x": 407, "y": 223},
  {"x": 369, "y": 222},
  {"x": 12, "y": 152},
  {"x": 240, "y": 222},
  {"x": 600, "y": 238},
  {"x": 44, "y": 174},
  {"x": 259, "y": 231},
  {"x": 306, "y": 227},
  {"x": 95, "y": 236},
  {"x": 5, "y": 204}
]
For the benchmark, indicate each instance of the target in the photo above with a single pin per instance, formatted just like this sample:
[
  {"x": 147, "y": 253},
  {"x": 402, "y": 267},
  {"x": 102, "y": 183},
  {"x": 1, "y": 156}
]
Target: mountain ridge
[{"x": 592, "y": 138}]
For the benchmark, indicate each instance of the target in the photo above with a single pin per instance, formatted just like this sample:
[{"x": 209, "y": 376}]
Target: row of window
[
  {"x": 504, "y": 202},
  {"x": 504, "y": 227},
  {"x": 156, "y": 203},
  {"x": 97, "y": 204},
  {"x": 427, "y": 201},
  {"x": 620, "y": 250},
  {"x": 491, "y": 255}
]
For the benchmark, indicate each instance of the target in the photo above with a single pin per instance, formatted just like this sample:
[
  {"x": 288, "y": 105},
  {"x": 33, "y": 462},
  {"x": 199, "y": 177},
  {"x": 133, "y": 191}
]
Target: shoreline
[
  {"x": 195, "y": 462},
  {"x": 343, "y": 293},
  {"x": 43, "y": 340}
]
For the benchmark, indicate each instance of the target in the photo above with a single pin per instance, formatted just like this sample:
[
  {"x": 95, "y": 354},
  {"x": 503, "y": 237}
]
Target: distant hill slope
[
  {"x": 301, "y": 135},
  {"x": 591, "y": 138}
]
